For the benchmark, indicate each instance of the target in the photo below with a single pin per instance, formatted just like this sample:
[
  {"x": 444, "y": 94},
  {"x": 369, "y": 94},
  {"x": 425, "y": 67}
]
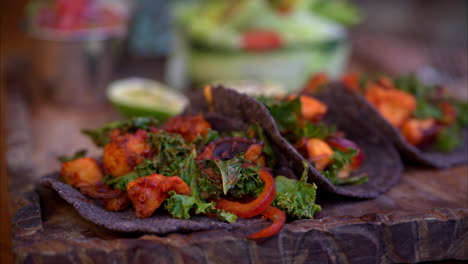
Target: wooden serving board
[{"x": 423, "y": 218}]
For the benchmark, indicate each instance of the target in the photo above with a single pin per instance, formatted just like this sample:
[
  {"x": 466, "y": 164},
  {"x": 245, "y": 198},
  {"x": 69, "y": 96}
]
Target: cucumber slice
[{"x": 143, "y": 97}]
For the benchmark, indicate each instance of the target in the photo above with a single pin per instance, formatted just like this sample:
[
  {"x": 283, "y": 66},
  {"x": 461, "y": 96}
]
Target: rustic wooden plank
[{"x": 423, "y": 218}]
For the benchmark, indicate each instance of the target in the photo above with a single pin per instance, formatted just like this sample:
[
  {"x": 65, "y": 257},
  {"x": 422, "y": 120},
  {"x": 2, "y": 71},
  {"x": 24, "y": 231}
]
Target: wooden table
[{"x": 423, "y": 218}]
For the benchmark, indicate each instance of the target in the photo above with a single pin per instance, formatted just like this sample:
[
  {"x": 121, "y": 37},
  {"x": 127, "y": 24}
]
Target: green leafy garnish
[
  {"x": 182, "y": 206},
  {"x": 172, "y": 153},
  {"x": 120, "y": 182},
  {"x": 79, "y": 154},
  {"x": 287, "y": 116},
  {"x": 233, "y": 177},
  {"x": 296, "y": 198},
  {"x": 448, "y": 138},
  {"x": 320, "y": 130},
  {"x": 179, "y": 206},
  {"x": 339, "y": 160},
  {"x": 101, "y": 136},
  {"x": 144, "y": 169},
  {"x": 423, "y": 94},
  {"x": 462, "y": 113},
  {"x": 428, "y": 106},
  {"x": 267, "y": 148}
]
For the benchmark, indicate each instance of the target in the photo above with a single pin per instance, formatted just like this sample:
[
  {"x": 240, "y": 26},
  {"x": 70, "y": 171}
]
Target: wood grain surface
[
  {"x": 423, "y": 218},
  {"x": 413, "y": 222}
]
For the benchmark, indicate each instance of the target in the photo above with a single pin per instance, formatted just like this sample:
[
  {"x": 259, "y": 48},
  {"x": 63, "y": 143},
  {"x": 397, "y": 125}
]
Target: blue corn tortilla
[
  {"x": 357, "y": 106},
  {"x": 382, "y": 162},
  {"x": 126, "y": 221}
]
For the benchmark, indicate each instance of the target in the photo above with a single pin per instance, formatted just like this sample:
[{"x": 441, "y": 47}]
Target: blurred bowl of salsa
[{"x": 279, "y": 41}]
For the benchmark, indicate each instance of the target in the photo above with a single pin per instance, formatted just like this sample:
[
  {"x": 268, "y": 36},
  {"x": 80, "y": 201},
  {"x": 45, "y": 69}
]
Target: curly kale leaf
[
  {"x": 462, "y": 113},
  {"x": 296, "y": 198},
  {"x": 287, "y": 116},
  {"x": 234, "y": 178},
  {"x": 180, "y": 206},
  {"x": 171, "y": 153},
  {"x": 79, "y": 154},
  {"x": 448, "y": 138},
  {"x": 339, "y": 160},
  {"x": 423, "y": 94},
  {"x": 101, "y": 136},
  {"x": 120, "y": 182},
  {"x": 183, "y": 206},
  {"x": 320, "y": 130}
]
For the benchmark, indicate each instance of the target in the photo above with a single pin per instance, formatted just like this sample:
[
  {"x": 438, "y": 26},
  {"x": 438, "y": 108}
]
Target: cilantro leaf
[
  {"x": 79, "y": 154},
  {"x": 296, "y": 198}
]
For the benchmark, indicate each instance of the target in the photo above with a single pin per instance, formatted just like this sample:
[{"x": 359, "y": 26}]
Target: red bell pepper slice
[
  {"x": 278, "y": 217},
  {"x": 258, "y": 205}
]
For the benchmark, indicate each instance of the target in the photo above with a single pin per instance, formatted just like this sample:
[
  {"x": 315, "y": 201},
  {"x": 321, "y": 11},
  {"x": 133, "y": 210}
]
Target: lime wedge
[{"x": 143, "y": 97}]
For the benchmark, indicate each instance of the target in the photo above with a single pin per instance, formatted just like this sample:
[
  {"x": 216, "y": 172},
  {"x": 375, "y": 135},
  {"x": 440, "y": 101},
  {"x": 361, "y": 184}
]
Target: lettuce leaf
[{"x": 296, "y": 198}]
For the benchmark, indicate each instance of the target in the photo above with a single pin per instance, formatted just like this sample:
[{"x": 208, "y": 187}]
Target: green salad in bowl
[{"x": 282, "y": 41}]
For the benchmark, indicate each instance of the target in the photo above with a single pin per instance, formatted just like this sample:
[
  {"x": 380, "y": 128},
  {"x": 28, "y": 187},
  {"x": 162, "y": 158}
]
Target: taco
[
  {"x": 427, "y": 126},
  {"x": 382, "y": 163},
  {"x": 195, "y": 172}
]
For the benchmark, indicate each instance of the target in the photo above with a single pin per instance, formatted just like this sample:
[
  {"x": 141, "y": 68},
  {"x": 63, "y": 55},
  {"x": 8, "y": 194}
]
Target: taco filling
[
  {"x": 426, "y": 116},
  {"x": 186, "y": 168},
  {"x": 299, "y": 120}
]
